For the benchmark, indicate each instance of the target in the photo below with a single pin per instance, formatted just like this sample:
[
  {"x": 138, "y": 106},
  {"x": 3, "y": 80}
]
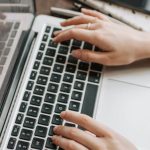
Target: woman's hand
[
  {"x": 96, "y": 136},
  {"x": 120, "y": 44}
]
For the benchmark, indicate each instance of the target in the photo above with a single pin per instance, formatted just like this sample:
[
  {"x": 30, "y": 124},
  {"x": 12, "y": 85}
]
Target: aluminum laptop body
[{"x": 122, "y": 101}]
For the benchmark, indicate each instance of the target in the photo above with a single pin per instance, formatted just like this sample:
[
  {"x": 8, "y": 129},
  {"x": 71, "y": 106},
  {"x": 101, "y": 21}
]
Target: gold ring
[{"x": 88, "y": 26}]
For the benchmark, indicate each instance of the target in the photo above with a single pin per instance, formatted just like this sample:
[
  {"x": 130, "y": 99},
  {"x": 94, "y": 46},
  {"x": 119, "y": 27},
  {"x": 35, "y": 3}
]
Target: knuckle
[
  {"x": 83, "y": 17},
  {"x": 95, "y": 19},
  {"x": 87, "y": 56},
  {"x": 72, "y": 132},
  {"x": 71, "y": 145},
  {"x": 84, "y": 119},
  {"x": 72, "y": 32}
]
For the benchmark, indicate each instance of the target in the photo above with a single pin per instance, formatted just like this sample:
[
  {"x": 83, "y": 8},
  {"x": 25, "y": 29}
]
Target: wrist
[{"x": 144, "y": 45}]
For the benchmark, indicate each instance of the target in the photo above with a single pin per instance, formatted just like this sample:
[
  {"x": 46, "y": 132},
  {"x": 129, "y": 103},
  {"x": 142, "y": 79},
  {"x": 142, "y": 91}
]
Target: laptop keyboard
[
  {"x": 57, "y": 82},
  {"x": 8, "y": 32}
]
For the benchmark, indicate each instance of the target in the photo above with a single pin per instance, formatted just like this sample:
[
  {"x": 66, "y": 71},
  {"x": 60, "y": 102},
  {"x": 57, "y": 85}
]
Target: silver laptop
[{"x": 46, "y": 80}]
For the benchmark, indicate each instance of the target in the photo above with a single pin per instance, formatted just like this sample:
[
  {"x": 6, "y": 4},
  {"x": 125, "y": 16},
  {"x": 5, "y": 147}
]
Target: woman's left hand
[{"x": 96, "y": 136}]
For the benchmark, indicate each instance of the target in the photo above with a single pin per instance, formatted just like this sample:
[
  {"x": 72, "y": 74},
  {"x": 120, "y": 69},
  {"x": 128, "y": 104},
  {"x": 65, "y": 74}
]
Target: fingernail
[
  {"x": 56, "y": 33},
  {"x": 76, "y": 53},
  {"x": 54, "y": 138},
  {"x": 54, "y": 40},
  {"x": 55, "y": 128},
  {"x": 62, "y": 22},
  {"x": 84, "y": 9},
  {"x": 62, "y": 114}
]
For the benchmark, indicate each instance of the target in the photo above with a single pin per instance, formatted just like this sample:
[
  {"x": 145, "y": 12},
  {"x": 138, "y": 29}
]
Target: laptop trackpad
[
  {"x": 137, "y": 73},
  {"x": 126, "y": 108}
]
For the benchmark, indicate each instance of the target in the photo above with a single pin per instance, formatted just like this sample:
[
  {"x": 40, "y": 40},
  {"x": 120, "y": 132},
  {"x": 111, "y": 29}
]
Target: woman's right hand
[{"x": 120, "y": 44}]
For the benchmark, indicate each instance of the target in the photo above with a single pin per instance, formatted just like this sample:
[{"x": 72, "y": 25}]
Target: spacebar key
[{"x": 89, "y": 100}]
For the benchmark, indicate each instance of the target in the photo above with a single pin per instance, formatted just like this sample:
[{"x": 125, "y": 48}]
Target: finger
[
  {"x": 88, "y": 123},
  {"x": 75, "y": 33},
  {"x": 67, "y": 144},
  {"x": 82, "y": 19},
  {"x": 91, "y": 26},
  {"x": 91, "y": 56},
  {"x": 77, "y": 135},
  {"x": 94, "y": 13}
]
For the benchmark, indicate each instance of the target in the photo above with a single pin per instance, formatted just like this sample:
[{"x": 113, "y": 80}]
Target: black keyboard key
[
  {"x": 36, "y": 100},
  {"x": 48, "y": 29},
  {"x": 66, "y": 43},
  {"x": 45, "y": 37},
  {"x": 44, "y": 120},
  {"x": 76, "y": 95},
  {"x": 15, "y": 130},
  {"x": 30, "y": 85},
  {"x": 13, "y": 34},
  {"x": 87, "y": 46},
  {"x": 50, "y": 145},
  {"x": 63, "y": 50},
  {"x": 42, "y": 80},
  {"x": 76, "y": 43},
  {"x": 74, "y": 48},
  {"x": 23, "y": 107},
  {"x": 55, "y": 29},
  {"x": 41, "y": 131},
  {"x": 16, "y": 26},
  {"x": 65, "y": 88},
  {"x": 39, "y": 90},
  {"x": 70, "y": 68},
  {"x": 50, "y": 98},
  {"x": 47, "y": 109},
  {"x": 39, "y": 56},
  {"x": 94, "y": 77},
  {"x": 33, "y": 111},
  {"x": 36, "y": 65},
  {"x": 26, "y": 134},
  {"x": 51, "y": 132},
  {"x": 96, "y": 67},
  {"x": 11, "y": 143},
  {"x": 72, "y": 60},
  {"x": 37, "y": 143},
  {"x": 29, "y": 122},
  {"x": 68, "y": 78},
  {"x": 48, "y": 61},
  {"x": 81, "y": 75},
  {"x": 57, "y": 120},
  {"x": 33, "y": 75},
  {"x": 74, "y": 106},
  {"x": 63, "y": 98},
  {"x": 61, "y": 59},
  {"x": 59, "y": 108},
  {"x": 89, "y": 99},
  {"x": 58, "y": 68},
  {"x": 53, "y": 87},
  {"x": 69, "y": 124},
  {"x": 55, "y": 77},
  {"x": 83, "y": 66},
  {"x": 50, "y": 52},
  {"x": 19, "y": 118},
  {"x": 79, "y": 85},
  {"x": 26, "y": 95},
  {"x": 42, "y": 46},
  {"x": 45, "y": 70},
  {"x": 21, "y": 145},
  {"x": 52, "y": 44}
]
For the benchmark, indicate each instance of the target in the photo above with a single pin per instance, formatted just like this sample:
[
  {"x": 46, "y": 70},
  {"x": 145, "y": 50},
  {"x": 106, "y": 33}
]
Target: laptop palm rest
[{"x": 125, "y": 102}]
